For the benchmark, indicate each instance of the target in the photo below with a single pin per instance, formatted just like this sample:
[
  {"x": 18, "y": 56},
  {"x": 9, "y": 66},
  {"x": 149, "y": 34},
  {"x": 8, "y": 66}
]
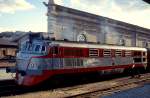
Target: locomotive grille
[
  {"x": 73, "y": 62},
  {"x": 107, "y": 53},
  {"x": 127, "y": 53},
  {"x": 118, "y": 53},
  {"x": 93, "y": 53}
]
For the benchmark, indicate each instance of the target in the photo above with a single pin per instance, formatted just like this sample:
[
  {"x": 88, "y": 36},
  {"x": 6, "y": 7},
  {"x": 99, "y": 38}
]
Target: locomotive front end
[{"x": 30, "y": 63}]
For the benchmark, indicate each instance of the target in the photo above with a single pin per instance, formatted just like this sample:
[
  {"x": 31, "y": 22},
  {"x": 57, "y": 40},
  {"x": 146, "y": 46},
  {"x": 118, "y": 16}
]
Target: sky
[{"x": 30, "y": 15}]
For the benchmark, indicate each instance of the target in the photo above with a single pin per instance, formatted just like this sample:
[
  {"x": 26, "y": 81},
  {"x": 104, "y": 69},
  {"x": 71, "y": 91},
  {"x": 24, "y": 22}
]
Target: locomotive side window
[
  {"x": 137, "y": 60},
  {"x": 144, "y": 53},
  {"x": 107, "y": 53},
  {"x": 144, "y": 59}
]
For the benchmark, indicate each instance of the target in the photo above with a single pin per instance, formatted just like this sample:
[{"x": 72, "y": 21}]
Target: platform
[{"x": 4, "y": 75}]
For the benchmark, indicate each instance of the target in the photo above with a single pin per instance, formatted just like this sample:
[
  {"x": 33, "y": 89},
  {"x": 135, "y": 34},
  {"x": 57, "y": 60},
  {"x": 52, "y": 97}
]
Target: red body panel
[
  {"x": 77, "y": 52},
  {"x": 34, "y": 80}
]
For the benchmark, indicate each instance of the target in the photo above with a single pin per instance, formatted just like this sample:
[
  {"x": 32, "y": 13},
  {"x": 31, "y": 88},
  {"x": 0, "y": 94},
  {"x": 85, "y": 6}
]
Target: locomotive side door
[{"x": 56, "y": 61}]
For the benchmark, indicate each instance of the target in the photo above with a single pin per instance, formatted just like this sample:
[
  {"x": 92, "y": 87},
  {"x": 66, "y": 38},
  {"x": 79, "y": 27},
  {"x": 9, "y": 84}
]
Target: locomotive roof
[{"x": 94, "y": 45}]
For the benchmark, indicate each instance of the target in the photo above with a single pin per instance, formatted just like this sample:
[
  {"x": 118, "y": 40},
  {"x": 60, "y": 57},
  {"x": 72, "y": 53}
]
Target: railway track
[
  {"x": 90, "y": 90},
  {"x": 95, "y": 90},
  {"x": 8, "y": 87}
]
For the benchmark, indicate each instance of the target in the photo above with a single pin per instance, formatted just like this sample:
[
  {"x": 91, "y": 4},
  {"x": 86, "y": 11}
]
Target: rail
[
  {"x": 101, "y": 88},
  {"x": 79, "y": 91}
]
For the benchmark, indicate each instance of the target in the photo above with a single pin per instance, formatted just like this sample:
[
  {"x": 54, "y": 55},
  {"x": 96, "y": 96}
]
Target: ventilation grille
[
  {"x": 93, "y": 53},
  {"x": 107, "y": 53},
  {"x": 127, "y": 53},
  {"x": 118, "y": 53}
]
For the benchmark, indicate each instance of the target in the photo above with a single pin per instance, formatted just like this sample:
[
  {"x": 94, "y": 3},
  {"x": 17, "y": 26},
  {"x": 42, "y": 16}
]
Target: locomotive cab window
[
  {"x": 43, "y": 48},
  {"x": 30, "y": 47},
  {"x": 37, "y": 48}
]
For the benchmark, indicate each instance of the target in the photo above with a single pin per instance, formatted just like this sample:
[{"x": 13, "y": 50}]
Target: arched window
[{"x": 81, "y": 38}]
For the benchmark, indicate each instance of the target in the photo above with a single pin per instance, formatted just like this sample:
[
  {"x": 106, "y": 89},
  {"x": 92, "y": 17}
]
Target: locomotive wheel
[
  {"x": 142, "y": 70},
  {"x": 56, "y": 80},
  {"x": 148, "y": 68}
]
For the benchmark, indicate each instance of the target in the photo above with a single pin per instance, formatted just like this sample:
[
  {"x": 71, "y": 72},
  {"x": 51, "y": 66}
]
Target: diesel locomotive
[{"x": 39, "y": 59}]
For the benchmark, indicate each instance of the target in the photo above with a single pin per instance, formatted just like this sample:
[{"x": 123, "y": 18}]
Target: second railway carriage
[{"x": 39, "y": 59}]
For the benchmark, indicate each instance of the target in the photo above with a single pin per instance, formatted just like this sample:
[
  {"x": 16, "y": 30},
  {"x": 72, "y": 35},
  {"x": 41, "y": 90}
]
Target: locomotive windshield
[{"x": 33, "y": 48}]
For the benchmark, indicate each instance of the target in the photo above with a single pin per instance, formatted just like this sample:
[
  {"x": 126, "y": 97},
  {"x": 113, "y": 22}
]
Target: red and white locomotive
[{"x": 40, "y": 59}]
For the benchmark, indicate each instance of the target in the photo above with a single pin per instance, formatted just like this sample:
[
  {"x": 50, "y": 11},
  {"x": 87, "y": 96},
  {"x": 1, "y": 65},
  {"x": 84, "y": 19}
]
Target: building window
[{"x": 81, "y": 38}]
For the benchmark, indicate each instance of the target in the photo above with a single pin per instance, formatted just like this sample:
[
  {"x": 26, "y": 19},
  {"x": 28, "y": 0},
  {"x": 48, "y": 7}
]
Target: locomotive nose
[
  {"x": 22, "y": 61},
  {"x": 22, "y": 64}
]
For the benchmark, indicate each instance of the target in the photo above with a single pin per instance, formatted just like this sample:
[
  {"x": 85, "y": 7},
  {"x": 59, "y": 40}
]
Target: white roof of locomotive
[{"x": 91, "y": 45}]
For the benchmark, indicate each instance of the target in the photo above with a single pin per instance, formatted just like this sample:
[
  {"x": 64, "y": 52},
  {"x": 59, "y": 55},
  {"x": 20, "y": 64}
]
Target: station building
[
  {"x": 7, "y": 53},
  {"x": 74, "y": 25}
]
